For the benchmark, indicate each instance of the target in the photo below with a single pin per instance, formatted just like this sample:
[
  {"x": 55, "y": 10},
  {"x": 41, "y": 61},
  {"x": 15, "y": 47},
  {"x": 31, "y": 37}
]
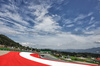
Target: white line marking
[{"x": 48, "y": 62}]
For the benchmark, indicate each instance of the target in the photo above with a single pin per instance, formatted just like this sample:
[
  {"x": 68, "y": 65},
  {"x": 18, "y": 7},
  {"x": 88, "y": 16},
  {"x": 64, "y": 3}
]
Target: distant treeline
[
  {"x": 89, "y": 55},
  {"x": 81, "y": 54}
]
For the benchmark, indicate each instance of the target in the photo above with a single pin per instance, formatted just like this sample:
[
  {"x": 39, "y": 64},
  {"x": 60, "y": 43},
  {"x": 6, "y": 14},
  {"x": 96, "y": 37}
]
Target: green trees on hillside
[{"x": 4, "y": 40}]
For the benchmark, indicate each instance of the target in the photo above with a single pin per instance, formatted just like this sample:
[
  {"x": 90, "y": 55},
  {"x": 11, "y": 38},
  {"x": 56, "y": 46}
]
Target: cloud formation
[{"x": 40, "y": 24}]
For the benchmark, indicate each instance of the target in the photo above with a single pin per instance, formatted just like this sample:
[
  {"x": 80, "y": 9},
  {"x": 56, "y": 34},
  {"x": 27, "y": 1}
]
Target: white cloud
[
  {"x": 7, "y": 30},
  {"x": 98, "y": 42},
  {"x": 16, "y": 27},
  {"x": 93, "y": 31},
  {"x": 47, "y": 23},
  {"x": 76, "y": 29},
  {"x": 62, "y": 41},
  {"x": 91, "y": 26},
  {"x": 27, "y": 44},
  {"x": 71, "y": 25},
  {"x": 90, "y": 13},
  {"x": 15, "y": 17},
  {"x": 44, "y": 22},
  {"x": 67, "y": 21},
  {"x": 81, "y": 16},
  {"x": 56, "y": 17},
  {"x": 92, "y": 20}
]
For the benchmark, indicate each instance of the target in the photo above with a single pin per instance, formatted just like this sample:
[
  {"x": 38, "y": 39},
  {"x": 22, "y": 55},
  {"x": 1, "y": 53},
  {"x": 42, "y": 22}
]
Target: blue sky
[{"x": 55, "y": 24}]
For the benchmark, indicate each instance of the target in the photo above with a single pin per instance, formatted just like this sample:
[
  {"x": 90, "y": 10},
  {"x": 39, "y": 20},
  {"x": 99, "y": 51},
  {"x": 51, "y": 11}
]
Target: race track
[{"x": 31, "y": 59}]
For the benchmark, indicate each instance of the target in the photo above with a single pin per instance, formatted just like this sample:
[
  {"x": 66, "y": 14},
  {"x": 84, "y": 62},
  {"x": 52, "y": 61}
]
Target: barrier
[{"x": 6, "y": 49}]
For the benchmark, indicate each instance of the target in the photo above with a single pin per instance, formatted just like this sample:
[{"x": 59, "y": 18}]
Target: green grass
[
  {"x": 62, "y": 58},
  {"x": 82, "y": 60},
  {"x": 76, "y": 59}
]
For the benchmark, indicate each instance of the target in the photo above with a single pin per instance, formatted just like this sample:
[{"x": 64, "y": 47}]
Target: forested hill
[{"x": 4, "y": 40}]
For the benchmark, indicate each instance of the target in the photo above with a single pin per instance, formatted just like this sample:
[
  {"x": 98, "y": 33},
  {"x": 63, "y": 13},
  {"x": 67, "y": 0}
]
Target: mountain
[
  {"x": 91, "y": 50},
  {"x": 4, "y": 40}
]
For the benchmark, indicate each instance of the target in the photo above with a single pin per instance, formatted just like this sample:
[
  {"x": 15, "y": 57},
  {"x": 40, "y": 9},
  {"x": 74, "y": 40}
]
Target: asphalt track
[
  {"x": 31, "y": 59},
  {"x": 50, "y": 57}
]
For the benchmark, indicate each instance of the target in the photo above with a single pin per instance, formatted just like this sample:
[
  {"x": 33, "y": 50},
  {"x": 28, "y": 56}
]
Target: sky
[{"x": 53, "y": 24}]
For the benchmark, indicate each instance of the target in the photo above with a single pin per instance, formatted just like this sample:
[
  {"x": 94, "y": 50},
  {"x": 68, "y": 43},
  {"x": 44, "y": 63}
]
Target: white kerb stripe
[{"x": 48, "y": 62}]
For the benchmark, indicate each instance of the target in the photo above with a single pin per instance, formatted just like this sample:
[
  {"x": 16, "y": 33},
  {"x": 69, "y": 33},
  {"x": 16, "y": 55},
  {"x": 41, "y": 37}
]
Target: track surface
[
  {"x": 50, "y": 57},
  {"x": 29, "y": 59}
]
